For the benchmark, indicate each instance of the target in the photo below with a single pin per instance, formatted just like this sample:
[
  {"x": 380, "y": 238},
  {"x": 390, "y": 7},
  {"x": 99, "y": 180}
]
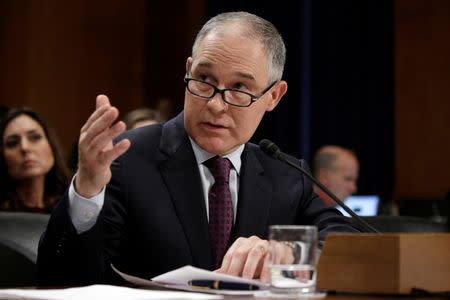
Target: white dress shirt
[{"x": 208, "y": 179}]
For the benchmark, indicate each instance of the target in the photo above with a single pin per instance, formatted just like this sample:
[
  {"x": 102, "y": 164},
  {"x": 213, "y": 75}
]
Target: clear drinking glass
[{"x": 292, "y": 259}]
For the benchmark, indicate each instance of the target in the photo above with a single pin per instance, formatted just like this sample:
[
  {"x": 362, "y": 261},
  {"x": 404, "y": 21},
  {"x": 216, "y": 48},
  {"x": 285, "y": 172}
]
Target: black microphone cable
[{"x": 273, "y": 151}]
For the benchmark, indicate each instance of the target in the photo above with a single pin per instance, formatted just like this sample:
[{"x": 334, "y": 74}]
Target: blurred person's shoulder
[{"x": 146, "y": 136}]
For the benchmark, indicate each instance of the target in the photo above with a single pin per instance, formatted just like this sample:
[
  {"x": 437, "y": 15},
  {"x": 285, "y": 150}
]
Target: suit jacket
[{"x": 154, "y": 217}]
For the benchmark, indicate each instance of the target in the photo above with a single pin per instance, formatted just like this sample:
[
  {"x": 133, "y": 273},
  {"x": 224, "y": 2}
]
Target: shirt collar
[{"x": 201, "y": 155}]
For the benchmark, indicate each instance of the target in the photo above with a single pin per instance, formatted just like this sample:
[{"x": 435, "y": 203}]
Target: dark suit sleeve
[
  {"x": 68, "y": 258},
  {"x": 313, "y": 211}
]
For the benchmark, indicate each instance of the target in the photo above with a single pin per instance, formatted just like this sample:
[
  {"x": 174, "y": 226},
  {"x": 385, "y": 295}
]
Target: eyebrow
[
  {"x": 31, "y": 131},
  {"x": 208, "y": 65},
  {"x": 35, "y": 131}
]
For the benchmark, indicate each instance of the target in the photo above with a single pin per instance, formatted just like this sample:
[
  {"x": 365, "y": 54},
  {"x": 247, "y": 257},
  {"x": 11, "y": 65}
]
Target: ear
[
  {"x": 322, "y": 176},
  {"x": 276, "y": 93},
  {"x": 188, "y": 65}
]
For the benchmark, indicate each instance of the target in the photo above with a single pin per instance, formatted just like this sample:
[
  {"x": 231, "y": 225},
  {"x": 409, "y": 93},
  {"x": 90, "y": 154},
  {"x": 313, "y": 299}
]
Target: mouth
[
  {"x": 29, "y": 163},
  {"x": 213, "y": 127}
]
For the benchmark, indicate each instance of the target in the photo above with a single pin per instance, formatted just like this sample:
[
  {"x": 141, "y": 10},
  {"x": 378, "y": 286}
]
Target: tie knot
[{"x": 220, "y": 168}]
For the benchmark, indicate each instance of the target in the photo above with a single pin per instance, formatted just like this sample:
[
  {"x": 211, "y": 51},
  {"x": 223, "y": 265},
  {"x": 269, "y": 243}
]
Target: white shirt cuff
[{"x": 84, "y": 211}]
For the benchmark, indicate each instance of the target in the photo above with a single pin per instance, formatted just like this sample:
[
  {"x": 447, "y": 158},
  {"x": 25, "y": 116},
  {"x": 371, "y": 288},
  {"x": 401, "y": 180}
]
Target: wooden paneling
[
  {"x": 56, "y": 56},
  {"x": 422, "y": 108},
  {"x": 171, "y": 29}
]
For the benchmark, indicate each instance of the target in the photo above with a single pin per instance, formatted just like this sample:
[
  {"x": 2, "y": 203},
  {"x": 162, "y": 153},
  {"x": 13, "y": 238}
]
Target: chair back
[{"x": 19, "y": 239}]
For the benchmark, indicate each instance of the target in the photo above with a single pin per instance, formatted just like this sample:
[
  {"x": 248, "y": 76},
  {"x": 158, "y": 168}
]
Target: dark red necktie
[{"x": 220, "y": 208}]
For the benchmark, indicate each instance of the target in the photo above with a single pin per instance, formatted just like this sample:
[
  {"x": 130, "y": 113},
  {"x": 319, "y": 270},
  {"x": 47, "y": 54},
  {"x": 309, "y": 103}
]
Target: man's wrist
[
  {"x": 84, "y": 211},
  {"x": 81, "y": 188}
]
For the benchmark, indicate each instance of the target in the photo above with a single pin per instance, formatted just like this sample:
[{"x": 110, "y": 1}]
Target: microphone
[{"x": 273, "y": 151}]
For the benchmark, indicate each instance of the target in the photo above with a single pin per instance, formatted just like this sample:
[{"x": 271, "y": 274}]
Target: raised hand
[{"x": 95, "y": 148}]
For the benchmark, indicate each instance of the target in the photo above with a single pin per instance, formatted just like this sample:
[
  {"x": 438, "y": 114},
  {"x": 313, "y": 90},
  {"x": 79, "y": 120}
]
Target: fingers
[
  {"x": 255, "y": 260},
  {"x": 100, "y": 120},
  {"x": 95, "y": 147},
  {"x": 288, "y": 256},
  {"x": 228, "y": 256},
  {"x": 235, "y": 256},
  {"x": 281, "y": 253},
  {"x": 265, "y": 272},
  {"x": 103, "y": 140},
  {"x": 245, "y": 257},
  {"x": 99, "y": 131},
  {"x": 249, "y": 258},
  {"x": 277, "y": 252},
  {"x": 101, "y": 100},
  {"x": 120, "y": 148},
  {"x": 238, "y": 260},
  {"x": 101, "y": 106}
]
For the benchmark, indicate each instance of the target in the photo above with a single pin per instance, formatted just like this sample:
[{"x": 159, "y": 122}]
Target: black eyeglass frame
[{"x": 253, "y": 98}]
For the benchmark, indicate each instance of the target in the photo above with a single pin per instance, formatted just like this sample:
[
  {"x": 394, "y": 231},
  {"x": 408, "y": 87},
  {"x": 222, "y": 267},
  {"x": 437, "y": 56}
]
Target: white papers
[
  {"x": 100, "y": 292},
  {"x": 179, "y": 278},
  {"x": 185, "y": 274}
]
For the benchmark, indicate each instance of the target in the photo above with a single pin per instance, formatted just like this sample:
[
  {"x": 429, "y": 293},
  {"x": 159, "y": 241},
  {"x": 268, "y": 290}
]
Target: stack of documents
[
  {"x": 181, "y": 278},
  {"x": 100, "y": 292}
]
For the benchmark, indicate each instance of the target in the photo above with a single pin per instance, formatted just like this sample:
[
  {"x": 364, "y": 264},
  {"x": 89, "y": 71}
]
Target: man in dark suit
[{"x": 158, "y": 212}]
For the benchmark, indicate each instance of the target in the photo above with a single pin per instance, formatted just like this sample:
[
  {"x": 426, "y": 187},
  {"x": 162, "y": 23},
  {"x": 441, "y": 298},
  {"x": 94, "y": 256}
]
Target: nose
[
  {"x": 217, "y": 103},
  {"x": 24, "y": 145}
]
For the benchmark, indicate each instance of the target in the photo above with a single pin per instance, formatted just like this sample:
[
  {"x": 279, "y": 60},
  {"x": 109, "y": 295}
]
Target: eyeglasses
[{"x": 233, "y": 97}]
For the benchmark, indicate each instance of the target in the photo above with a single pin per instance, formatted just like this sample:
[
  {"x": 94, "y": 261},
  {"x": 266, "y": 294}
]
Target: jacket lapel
[
  {"x": 254, "y": 201},
  {"x": 181, "y": 174}
]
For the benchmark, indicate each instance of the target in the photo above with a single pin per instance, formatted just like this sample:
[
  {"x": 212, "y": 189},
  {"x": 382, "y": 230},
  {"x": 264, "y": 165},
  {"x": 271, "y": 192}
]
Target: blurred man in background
[{"x": 337, "y": 168}]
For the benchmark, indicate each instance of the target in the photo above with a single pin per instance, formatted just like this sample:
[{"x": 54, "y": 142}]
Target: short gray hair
[{"x": 258, "y": 29}]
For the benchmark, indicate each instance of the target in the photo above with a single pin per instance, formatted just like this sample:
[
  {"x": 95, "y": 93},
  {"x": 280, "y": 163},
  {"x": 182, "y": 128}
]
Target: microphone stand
[{"x": 272, "y": 150}]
